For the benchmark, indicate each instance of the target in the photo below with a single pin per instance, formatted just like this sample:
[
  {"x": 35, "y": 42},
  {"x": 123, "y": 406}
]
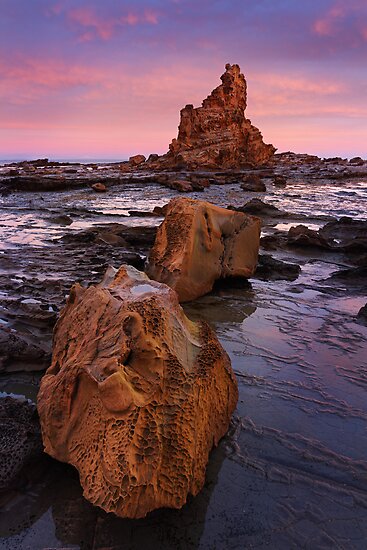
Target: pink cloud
[
  {"x": 94, "y": 25},
  {"x": 25, "y": 80},
  {"x": 335, "y": 20},
  {"x": 151, "y": 17},
  {"x": 86, "y": 17}
]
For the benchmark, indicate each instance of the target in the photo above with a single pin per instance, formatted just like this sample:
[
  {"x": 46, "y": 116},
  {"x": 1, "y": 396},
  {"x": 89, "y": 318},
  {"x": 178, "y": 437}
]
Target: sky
[{"x": 107, "y": 78}]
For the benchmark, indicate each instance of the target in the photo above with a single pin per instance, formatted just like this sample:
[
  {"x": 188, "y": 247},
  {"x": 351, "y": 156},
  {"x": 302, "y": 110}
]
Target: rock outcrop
[
  {"x": 217, "y": 134},
  {"x": 20, "y": 439},
  {"x": 198, "y": 243},
  {"x": 136, "y": 395}
]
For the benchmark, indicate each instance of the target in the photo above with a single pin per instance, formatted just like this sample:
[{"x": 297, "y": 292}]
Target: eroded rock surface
[
  {"x": 198, "y": 243},
  {"x": 136, "y": 395},
  {"x": 217, "y": 134},
  {"x": 20, "y": 439}
]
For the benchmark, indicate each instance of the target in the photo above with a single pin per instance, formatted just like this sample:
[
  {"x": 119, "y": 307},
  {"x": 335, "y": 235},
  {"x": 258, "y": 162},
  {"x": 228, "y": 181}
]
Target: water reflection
[
  {"x": 55, "y": 513},
  {"x": 225, "y": 305}
]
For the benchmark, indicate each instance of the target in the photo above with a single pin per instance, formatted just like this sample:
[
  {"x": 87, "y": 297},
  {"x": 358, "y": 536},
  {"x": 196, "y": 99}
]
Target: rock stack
[{"x": 217, "y": 134}]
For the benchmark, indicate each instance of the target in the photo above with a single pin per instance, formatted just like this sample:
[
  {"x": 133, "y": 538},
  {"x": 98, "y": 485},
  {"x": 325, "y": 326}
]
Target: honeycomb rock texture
[
  {"x": 198, "y": 243},
  {"x": 136, "y": 395},
  {"x": 20, "y": 438},
  {"x": 217, "y": 134}
]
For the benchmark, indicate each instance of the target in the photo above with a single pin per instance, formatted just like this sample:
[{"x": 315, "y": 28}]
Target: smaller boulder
[
  {"x": 303, "y": 236},
  {"x": 182, "y": 186},
  {"x": 356, "y": 161},
  {"x": 257, "y": 207},
  {"x": 136, "y": 160},
  {"x": 279, "y": 181},
  {"x": 99, "y": 187},
  {"x": 253, "y": 183},
  {"x": 199, "y": 243}
]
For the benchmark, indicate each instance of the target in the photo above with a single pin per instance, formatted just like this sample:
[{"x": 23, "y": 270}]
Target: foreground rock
[
  {"x": 217, "y": 134},
  {"x": 136, "y": 395},
  {"x": 198, "y": 243},
  {"x": 20, "y": 439}
]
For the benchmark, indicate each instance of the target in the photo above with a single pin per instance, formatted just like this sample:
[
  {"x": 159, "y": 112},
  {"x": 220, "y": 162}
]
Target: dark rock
[
  {"x": 71, "y": 170},
  {"x": 346, "y": 234},
  {"x": 19, "y": 352},
  {"x": 254, "y": 183},
  {"x": 142, "y": 214},
  {"x": 273, "y": 242},
  {"x": 270, "y": 269},
  {"x": 356, "y": 161},
  {"x": 303, "y": 236},
  {"x": 259, "y": 208},
  {"x": 132, "y": 236},
  {"x": 153, "y": 157},
  {"x": 39, "y": 162},
  {"x": 354, "y": 278},
  {"x": 199, "y": 181},
  {"x": 182, "y": 186},
  {"x": 61, "y": 219},
  {"x": 20, "y": 440},
  {"x": 136, "y": 160},
  {"x": 362, "y": 314},
  {"x": 160, "y": 210},
  {"x": 279, "y": 181}
]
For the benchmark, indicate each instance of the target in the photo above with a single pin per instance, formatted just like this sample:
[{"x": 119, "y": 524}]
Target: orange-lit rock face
[
  {"x": 217, "y": 134},
  {"x": 136, "y": 394},
  {"x": 198, "y": 243}
]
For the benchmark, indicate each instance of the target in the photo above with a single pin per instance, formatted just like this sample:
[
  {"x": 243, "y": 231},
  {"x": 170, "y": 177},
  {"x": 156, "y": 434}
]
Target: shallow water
[
  {"x": 292, "y": 472},
  {"x": 26, "y": 218}
]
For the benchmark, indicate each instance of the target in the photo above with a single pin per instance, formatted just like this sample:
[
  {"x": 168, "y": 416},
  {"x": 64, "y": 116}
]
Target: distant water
[{"x": 78, "y": 160}]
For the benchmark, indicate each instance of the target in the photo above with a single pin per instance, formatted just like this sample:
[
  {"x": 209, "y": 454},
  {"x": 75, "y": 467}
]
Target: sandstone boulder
[
  {"x": 217, "y": 134},
  {"x": 136, "y": 160},
  {"x": 253, "y": 183},
  {"x": 99, "y": 187},
  {"x": 136, "y": 396},
  {"x": 198, "y": 243}
]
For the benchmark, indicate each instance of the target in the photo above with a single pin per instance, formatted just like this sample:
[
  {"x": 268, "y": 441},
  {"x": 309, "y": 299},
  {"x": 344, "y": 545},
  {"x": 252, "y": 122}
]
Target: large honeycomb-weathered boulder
[
  {"x": 136, "y": 396},
  {"x": 217, "y": 134},
  {"x": 198, "y": 243}
]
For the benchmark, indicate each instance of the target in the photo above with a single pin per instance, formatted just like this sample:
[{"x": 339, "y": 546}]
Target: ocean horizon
[{"x": 80, "y": 160}]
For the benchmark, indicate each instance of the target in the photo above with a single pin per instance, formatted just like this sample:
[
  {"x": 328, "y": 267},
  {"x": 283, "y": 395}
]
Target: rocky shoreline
[{"x": 44, "y": 175}]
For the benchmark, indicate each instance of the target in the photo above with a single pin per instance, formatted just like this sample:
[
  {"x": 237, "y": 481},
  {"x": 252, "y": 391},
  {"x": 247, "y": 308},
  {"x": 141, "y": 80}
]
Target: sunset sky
[{"x": 107, "y": 79}]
